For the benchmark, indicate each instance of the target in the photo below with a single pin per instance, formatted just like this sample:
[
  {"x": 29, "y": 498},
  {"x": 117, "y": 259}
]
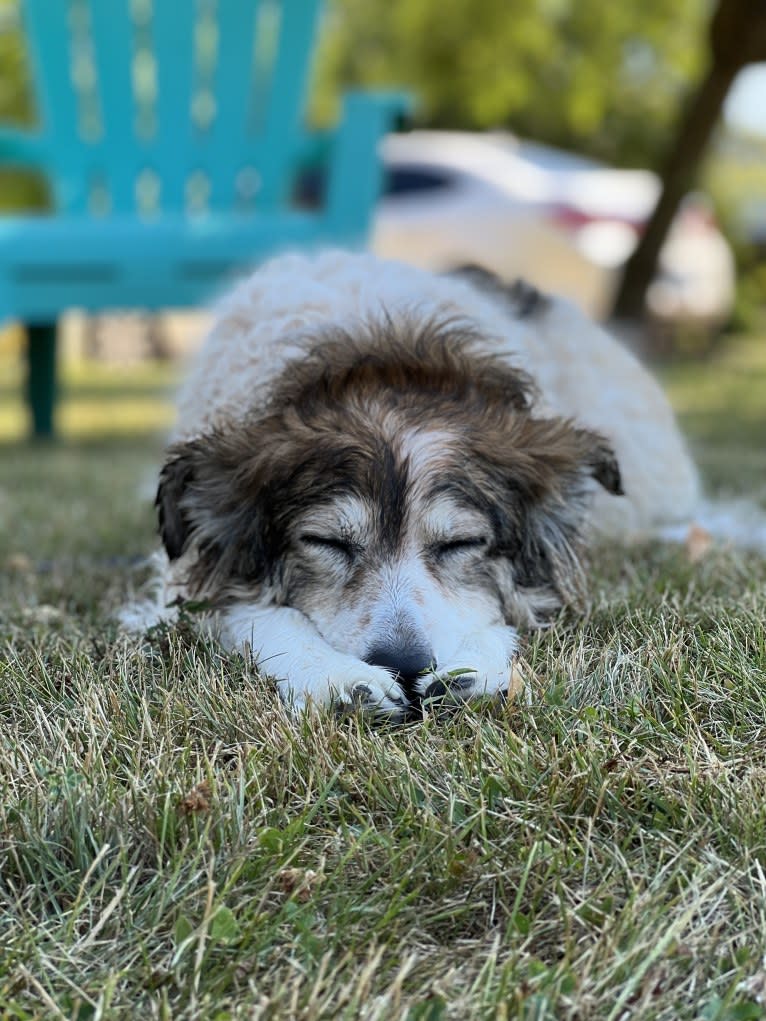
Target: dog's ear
[
  {"x": 175, "y": 477},
  {"x": 543, "y": 473},
  {"x": 557, "y": 521},
  {"x": 602, "y": 464},
  {"x": 213, "y": 494}
]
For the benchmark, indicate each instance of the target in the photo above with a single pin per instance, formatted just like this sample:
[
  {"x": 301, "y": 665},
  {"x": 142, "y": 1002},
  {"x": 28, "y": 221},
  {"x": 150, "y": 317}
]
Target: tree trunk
[
  {"x": 737, "y": 37},
  {"x": 678, "y": 175}
]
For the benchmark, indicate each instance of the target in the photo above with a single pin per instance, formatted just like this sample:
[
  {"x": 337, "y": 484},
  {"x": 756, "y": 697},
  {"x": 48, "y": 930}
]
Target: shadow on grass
[
  {"x": 146, "y": 442},
  {"x": 106, "y": 390}
]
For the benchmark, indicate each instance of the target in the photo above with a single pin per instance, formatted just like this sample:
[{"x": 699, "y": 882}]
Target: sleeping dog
[{"x": 379, "y": 474}]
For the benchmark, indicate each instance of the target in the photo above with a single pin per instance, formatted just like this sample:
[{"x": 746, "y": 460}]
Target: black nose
[{"x": 408, "y": 663}]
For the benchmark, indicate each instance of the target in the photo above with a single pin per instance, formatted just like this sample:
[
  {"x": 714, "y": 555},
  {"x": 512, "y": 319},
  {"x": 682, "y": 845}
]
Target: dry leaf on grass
[
  {"x": 698, "y": 543},
  {"x": 197, "y": 800},
  {"x": 516, "y": 682},
  {"x": 299, "y": 883},
  {"x": 18, "y": 563}
]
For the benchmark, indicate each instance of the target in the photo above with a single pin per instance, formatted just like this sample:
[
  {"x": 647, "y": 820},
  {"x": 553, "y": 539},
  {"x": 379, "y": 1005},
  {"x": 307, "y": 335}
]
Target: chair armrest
[
  {"x": 356, "y": 170},
  {"x": 392, "y": 104},
  {"x": 315, "y": 147}
]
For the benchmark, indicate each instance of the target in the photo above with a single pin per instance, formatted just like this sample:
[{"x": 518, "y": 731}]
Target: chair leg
[{"x": 41, "y": 381}]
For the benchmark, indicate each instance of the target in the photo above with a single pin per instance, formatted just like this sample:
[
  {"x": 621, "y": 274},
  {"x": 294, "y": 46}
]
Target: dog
[{"x": 379, "y": 474}]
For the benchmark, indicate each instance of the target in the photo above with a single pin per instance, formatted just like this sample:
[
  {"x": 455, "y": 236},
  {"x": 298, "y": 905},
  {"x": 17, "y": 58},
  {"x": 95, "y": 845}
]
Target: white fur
[
  {"x": 286, "y": 645},
  {"x": 581, "y": 373}
]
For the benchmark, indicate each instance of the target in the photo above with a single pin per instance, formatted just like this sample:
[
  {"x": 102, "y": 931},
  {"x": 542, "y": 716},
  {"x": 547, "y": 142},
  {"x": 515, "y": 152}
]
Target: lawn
[{"x": 173, "y": 846}]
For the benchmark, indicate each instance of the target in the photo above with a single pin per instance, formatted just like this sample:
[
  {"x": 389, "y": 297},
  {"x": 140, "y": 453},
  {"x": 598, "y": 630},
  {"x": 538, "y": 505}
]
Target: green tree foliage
[
  {"x": 18, "y": 189},
  {"x": 602, "y": 78},
  {"x": 15, "y": 98}
]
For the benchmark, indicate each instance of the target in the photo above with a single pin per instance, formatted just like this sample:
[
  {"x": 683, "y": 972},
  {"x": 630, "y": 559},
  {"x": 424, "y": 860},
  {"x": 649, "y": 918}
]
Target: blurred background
[{"x": 543, "y": 137}]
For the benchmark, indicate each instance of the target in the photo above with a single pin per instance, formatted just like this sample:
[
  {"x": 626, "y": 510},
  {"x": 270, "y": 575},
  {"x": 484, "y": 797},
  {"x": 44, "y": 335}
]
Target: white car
[{"x": 562, "y": 222}]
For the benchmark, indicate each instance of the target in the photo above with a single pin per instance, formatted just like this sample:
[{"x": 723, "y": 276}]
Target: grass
[
  {"x": 101, "y": 399},
  {"x": 172, "y": 846}
]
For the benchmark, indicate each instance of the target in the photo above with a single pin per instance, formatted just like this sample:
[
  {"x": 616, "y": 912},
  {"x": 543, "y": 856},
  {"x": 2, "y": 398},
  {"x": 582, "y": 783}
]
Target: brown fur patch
[{"x": 435, "y": 359}]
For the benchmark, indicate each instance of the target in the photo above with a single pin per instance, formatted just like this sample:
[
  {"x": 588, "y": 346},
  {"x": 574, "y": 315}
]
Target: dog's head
[{"x": 397, "y": 490}]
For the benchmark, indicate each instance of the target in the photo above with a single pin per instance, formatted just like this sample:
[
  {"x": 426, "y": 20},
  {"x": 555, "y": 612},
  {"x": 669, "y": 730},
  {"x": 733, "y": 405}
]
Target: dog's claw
[{"x": 376, "y": 700}]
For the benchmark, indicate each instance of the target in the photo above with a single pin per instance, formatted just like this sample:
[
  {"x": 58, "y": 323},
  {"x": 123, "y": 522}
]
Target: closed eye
[
  {"x": 331, "y": 542},
  {"x": 463, "y": 545}
]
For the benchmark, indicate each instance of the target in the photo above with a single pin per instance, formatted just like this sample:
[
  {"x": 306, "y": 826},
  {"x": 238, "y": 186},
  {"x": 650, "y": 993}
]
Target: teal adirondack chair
[{"x": 171, "y": 135}]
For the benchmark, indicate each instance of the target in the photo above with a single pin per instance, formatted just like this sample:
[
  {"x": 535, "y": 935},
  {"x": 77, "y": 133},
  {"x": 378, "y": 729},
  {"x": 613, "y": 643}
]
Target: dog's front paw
[
  {"x": 345, "y": 681},
  {"x": 461, "y": 684},
  {"x": 480, "y": 666}
]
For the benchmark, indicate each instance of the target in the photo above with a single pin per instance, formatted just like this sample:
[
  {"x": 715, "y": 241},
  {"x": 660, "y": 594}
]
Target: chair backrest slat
[
  {"x": 286, "y": 89},
  {"x": 50, "y": 49},
  {"x": 116, "y": 155},
  {"x": 234, "y": 77},
  {"x": 173, "y": 39}
]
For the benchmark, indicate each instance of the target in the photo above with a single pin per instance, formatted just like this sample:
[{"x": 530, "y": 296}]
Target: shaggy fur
[{"x": 379, "y": 473}]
